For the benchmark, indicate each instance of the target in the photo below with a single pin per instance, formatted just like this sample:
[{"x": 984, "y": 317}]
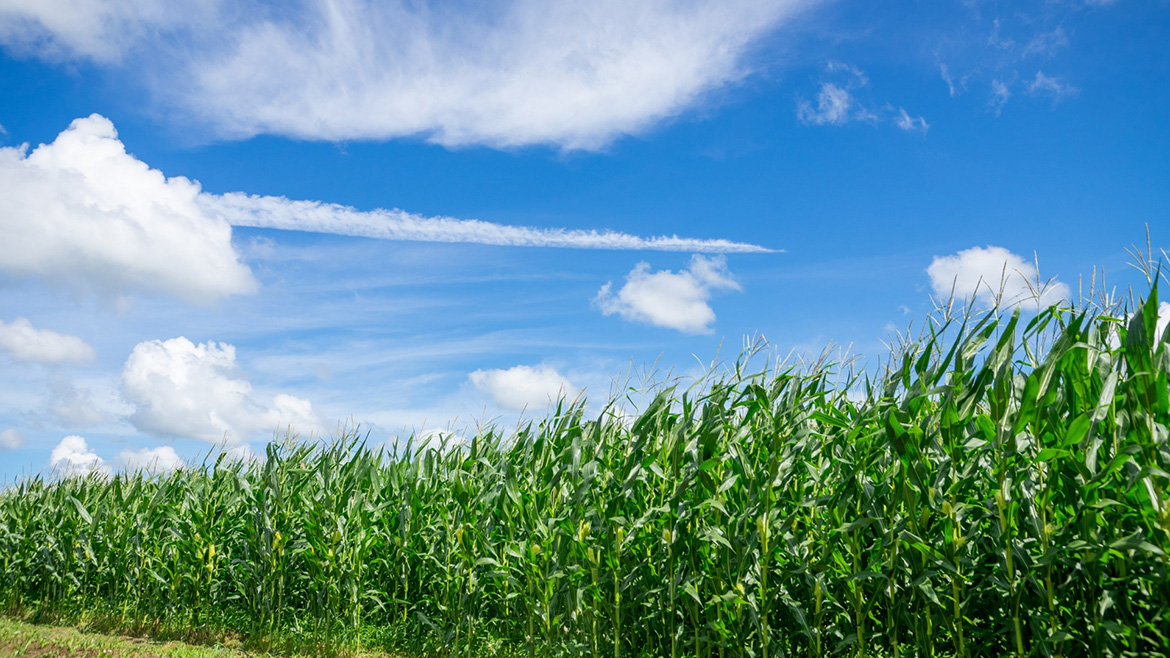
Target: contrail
[{"x": 256, "y": 211}]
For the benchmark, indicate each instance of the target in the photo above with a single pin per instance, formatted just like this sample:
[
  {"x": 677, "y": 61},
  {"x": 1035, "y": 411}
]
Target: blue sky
[{"x": 221, "y": 220}]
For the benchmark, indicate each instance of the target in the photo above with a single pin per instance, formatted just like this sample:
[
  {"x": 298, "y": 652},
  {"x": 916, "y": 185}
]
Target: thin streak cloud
[{"x": 271, "y": 212}]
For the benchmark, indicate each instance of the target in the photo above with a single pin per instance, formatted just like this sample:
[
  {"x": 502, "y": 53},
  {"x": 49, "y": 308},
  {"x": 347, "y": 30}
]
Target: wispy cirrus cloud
[
  {"x": 1000, "y": 94},
  {"x": 103, "y": 31},
  {"x": 910, "y": 123},
  {"x": 567, "y": 74},
  {"x": 1000, "y": 54},
  {"x": 1050, "y": 86},
  {"x": 835, "y": 103},
  {"x": 839, "y": 101}
]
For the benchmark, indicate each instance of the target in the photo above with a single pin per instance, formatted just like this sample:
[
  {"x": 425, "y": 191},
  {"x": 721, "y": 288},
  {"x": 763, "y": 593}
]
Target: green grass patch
[{"x": 23, "y": 640}]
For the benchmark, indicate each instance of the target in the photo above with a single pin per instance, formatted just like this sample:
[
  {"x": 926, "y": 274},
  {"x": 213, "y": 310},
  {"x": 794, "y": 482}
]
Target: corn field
[{"x": 1002, "y": 488}]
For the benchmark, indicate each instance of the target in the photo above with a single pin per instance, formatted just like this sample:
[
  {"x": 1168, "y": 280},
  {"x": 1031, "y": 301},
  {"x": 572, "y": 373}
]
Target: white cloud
[
  {"x": 102, "y": 30},
  {"x": 834, "y": 106},
  {"x": 999, "y": 96},
  {"x": 181, "y": 389},
  {"x": 1043, "y": 84},
  {"x": 27, "y": 343},
  {"x": 238, "y": 454},
  {"x": 1163, "y": 319},
  {"x": 911, "y": 124},
  {"x": 576, "y": 75},
  {"x": 72, "y": 406},
  {"x": 72, "y": 457},
  {"x": 1000, "y": 42},
  {"x": 1113, "y": 339},
  {"x": 10, "y": 439},
  {"x": 990, "y": 49},
  {"x": 83, "y": 212},
  {"x": 523, "y": 386},
  {"x": 666, "y": 299},
  {"x": 281, "y": 213},
  {"x": 993, "y": 273},
  {"x": 571, "y": 74},
  {"x": 955, "y": 87},
  {"x": 837, "y": 104},
  {"x": 441, "y": 440},
  {"x": 160, "y": 460},
  {"x": 1046, "y": 43}
]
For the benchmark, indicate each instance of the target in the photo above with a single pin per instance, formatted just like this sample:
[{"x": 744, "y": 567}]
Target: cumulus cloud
[
  {"x": 1114, "y": 338},
  {"x": 669, "y": 299},
  {"x": 27, "y": 343},
  {"x": 180, "y": 389},
  {"x": 571, "y": 74},
  {"x": 523, "y": 386},
  {"x": 993, "y": 275},
  {"x": 281, "y": 213},
  {"x": 10, "y": 439},
  {"x": 239, "y": 454},
  {"x": 73, "y": 458},
  {"x": 83, "y": 212},
  {"x": 160, "y": 460},
  {"x": 438, "y": 439}
]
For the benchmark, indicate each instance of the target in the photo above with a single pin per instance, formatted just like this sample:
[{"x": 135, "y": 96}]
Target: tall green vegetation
[{"x": 1002, "y": 488}]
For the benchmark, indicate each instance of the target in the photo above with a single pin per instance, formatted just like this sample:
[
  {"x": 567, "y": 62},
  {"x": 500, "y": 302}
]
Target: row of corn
[{"x": 1001, "y": 489}]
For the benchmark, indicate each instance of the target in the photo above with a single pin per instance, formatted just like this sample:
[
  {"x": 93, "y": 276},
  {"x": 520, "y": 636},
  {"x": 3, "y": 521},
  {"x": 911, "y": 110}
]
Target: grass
[
  {"x": 1001, "y": 488},
  {"x": 20, "y": 639},
  {"x": 23, "y": 640}
]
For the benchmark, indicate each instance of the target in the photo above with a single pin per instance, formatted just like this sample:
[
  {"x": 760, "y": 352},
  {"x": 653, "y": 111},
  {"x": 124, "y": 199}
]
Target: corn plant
[{"x": 1000, "y": 486}]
